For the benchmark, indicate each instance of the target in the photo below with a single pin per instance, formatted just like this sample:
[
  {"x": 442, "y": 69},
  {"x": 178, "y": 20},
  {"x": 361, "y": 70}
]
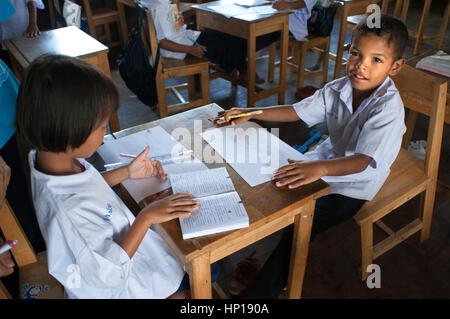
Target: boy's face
[{"x": 370, "y": 61}]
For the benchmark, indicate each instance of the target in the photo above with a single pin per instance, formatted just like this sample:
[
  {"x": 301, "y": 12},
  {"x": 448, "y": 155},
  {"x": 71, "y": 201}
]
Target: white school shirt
[
  {"x": 82, "y": 221},
  {"x": 165, "y": 16},
  {"x": 298, "y": 20},
  {"x": 375, "y": 129},
  {"x": 18, "y": 22}
]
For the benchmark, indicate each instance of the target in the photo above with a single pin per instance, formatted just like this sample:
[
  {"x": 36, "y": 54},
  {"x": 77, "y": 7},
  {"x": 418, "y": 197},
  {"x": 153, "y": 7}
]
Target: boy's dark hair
[
  {"x": 392, "y": 28},
  {"x": 61, "y": 101}
]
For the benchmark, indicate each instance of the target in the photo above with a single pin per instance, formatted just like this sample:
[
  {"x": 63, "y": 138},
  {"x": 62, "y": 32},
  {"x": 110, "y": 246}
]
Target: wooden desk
[
  {"x": 269, "y": 210},
  {"x": 69, "y": 41},
  {"x": 249, "y": 26}
]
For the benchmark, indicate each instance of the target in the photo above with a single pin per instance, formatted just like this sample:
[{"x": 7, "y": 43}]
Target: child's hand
[
  {"x": 226, "y": 114},
  {"x": 171, "y": 207},
  {"x": 32, "y": 31},
  {"x": 143, "y": 167},
  {"x": 281, "y": 5},
  {"x": 6, "y": 263},
  {"x": 298, "y": 173},
  {"x": 197, "y": 50}
]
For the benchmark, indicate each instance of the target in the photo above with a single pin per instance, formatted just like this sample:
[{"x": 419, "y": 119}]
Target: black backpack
[
  {"x": 320, "y": 23},
  {"x": 134, "y": 65}
]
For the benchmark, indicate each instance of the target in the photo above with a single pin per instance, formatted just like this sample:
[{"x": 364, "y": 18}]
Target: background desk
[
  {"x": 269, "y": 208},
  {"x": 250, "y": 26},
  {"x": 69, "y": 41}
]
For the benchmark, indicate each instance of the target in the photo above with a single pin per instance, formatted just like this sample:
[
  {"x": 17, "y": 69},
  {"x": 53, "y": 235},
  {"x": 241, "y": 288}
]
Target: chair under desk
[{"x": 269, "y": 209}]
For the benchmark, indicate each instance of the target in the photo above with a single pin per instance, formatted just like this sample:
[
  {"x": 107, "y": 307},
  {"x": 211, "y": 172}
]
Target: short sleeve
[
  {"x": 312, "y": 110},
  {"x": 103, "y": 263},
  {"x": 39, "y": 4},
  {"x": 381, "y": 135},
  {"x": 160, "y": 18}
]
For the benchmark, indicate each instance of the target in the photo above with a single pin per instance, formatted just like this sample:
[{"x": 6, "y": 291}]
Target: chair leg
[
  {"x": 427, "y": 205},
  {"x": 444, "y": 24},
  {"x": 161, "y": 92},
  {"x": 191, "y": 87},
  {"x": 340, "y": 45},
  {"x": 324, "y": 56},
  {"x": 421, "y": 30},
  {"x": 366, "y": 248},
  {"x": 204, "y": 82},
  {"x": 272, "y": 53},
  {"x": 301, "y": 66}
]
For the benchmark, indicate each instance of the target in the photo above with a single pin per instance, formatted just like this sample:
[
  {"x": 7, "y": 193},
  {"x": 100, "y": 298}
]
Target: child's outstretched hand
[
  {"x": 298, "y": 173},
  {"x": 222, "y": 118},
  {"x": 143, "y": 167},
  {"x": 170, "y": 207},
  {"x": 6, "y": 263}
]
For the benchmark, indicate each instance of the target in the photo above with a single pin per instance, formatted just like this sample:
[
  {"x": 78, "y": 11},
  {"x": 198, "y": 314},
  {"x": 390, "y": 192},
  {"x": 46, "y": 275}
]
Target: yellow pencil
[{"x": 241, "y": 115}]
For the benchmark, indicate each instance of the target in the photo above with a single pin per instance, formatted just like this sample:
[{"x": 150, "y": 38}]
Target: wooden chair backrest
[
  {"x": 151, "y": 43},
  {"x": 423, "y": 93}
]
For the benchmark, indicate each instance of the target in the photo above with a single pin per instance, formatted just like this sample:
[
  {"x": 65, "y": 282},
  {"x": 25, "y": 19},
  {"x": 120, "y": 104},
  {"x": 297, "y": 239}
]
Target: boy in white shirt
[
  {"x": 365, "y": 119},
  {"x": 176, "y": 41}
]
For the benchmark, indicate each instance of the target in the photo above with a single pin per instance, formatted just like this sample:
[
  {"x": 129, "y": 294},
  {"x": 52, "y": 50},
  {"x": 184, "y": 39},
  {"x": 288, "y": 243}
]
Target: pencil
[
  {"x": 195, "y": 42},
  {"x": 241, "y": 115}
]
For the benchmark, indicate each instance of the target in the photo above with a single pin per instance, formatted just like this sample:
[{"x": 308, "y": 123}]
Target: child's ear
[{"x": 396, "y": 66}]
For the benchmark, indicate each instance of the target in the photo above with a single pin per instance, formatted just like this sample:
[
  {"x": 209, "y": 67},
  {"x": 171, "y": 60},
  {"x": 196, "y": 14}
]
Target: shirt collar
[{"x": 344, "y": 88}]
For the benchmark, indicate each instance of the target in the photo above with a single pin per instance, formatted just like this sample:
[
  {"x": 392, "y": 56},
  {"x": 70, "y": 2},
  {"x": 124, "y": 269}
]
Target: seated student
[
  {"x": 176, "y": 41},
  {"x": 96, "y": 248},
  {"x": 365, "y": 119},
  {"x": 298, "y": 20},
  {"x": 23, "y": 22}
]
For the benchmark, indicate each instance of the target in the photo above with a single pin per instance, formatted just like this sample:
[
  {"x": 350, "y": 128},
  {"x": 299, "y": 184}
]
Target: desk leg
[
  {"x": 200, "y": 277},
  {"x": 123, "y": 22},
  {"x": 299, "y": 251},
  {"x": 283, "y": 60},
  {"x": 251, "y": 66}
]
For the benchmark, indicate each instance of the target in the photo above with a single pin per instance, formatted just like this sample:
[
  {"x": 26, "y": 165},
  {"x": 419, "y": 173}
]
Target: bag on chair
[
  {"x": 321, "y": 21},
  {"x": 134, "y": 65}
]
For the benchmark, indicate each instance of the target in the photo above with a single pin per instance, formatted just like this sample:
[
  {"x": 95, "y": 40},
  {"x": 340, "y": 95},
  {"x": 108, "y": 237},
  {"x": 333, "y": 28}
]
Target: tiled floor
[{"x": 410, "y": 270}]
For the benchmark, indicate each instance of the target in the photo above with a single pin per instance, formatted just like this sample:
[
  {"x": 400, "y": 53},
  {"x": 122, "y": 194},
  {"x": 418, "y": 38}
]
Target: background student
[
  {"x": 364, "y": 114},
  {"x": 96, "y": 248}
]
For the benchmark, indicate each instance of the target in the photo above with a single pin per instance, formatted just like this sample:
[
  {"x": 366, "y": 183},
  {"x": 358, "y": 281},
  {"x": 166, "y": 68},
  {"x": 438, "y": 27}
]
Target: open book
[
  {"x": 221, "y": 208},
  {"x": 438, "y": 63}
]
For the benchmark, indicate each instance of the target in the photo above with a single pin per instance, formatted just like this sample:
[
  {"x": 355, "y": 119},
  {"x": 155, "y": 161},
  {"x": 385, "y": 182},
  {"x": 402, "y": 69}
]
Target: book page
[
  {"x": 202, "y": 183},
  {"x": 161, "y": 144},
  {"x": 217, "y": 213}
]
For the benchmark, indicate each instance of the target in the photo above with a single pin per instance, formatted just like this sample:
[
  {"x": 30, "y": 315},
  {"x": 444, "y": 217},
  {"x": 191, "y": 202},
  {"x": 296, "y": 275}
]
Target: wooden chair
[
  {"x": 297, "y": 60},
  {"x": 103, "y": 17},
  {"x": 409, "y": 176},
  {"x": 419, "y": 34},
  {"x": 350, "y": 13},
  {"x": 173, "y": 68},
  {"x": 34, "y": 279}
]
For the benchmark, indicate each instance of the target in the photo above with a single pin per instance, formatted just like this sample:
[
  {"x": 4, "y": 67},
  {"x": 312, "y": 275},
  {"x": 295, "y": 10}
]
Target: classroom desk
[
  {"x": 69, "y": 41},
  {"x": 269, "y": 209},
  {"x": 249, "y": 26}
]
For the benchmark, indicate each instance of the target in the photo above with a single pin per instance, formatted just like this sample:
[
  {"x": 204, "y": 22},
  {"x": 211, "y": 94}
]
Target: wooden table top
[
  {"x": 69, "y": 41},
  {"x": 264, "y": 203}
]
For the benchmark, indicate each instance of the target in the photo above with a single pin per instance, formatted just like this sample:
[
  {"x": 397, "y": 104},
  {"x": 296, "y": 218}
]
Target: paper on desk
[
  {"x": 252, "y": 3},
  {"x": 252, "y": 151},
  {"x": 263, "y": 10},
  {"x": 229, "y": 11},
  {"x": 161, "y": 143}
]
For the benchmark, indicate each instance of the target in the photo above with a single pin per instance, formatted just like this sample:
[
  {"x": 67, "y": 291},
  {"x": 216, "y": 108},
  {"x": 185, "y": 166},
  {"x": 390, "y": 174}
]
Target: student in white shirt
[
  {"x": 176, "y": 41},
  {"x": 22, "y": 22},
  {"x": 365, "y": 118},
  {"x": 298, "y": 20},
  {"x": 96, "y": 248}
]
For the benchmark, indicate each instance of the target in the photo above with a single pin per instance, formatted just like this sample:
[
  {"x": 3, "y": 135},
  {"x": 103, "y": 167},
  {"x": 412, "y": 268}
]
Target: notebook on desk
[{"x": 221, "y": 208}]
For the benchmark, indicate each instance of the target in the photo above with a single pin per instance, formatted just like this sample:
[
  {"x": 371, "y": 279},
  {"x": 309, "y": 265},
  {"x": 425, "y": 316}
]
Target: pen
[
  {"x": 195, "y": 42},
  {"x": 178, "y": 155},
  {"x": 7, "y": 245},
  {"x": 240, "y": 115}
]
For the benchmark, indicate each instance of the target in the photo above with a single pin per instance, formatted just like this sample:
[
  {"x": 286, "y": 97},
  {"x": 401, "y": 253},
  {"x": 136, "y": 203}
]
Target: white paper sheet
[
  {"x": 252, "y": 151},
  {"x": 161, "y": 143}
]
